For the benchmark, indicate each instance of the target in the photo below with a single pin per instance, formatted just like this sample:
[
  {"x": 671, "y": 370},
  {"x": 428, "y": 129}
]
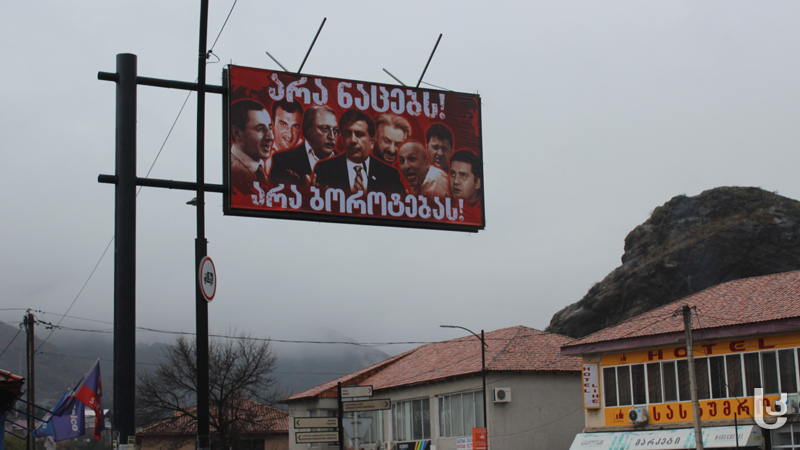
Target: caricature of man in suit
[
  {"x": 355, "y": 169},
  {"x": 287, "y": 117},
  {"x": 251, "y": 133},
  {"x": 440, "y": 145},
  {"x": 391, "y": 130},
  {"x": 295, "y": 166}
]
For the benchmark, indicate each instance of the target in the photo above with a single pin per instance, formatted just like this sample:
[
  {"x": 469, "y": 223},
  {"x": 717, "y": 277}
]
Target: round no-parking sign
[{"x": 207, "y": 278}]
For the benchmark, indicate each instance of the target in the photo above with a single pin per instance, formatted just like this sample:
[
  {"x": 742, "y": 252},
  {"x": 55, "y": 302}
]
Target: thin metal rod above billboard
[{"x": 324, "y": 149}]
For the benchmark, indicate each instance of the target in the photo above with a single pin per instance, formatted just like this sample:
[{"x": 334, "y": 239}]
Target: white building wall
[{"x": 545, "y": 412}]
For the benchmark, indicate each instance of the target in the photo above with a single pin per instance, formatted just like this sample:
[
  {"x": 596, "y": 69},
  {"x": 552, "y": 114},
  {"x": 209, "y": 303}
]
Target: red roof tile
[
  {"x": 266, "y": 420},
  {"x": 735, "y": 304},
  {"x": 509, "y": 349}
]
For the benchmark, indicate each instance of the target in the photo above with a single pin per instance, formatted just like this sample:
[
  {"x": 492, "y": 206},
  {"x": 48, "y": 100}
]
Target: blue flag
[{"x": 68, "y": 419}]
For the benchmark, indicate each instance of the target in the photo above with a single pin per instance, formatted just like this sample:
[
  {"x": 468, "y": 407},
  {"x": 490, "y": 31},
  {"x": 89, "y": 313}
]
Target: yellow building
[{"x": 746, "y": 336}]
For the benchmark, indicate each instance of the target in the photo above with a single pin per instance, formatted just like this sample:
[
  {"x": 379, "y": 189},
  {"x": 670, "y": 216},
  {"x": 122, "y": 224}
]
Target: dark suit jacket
[
  {"x": 332, "y": 172},
  {"x": 290, "y": 167}
]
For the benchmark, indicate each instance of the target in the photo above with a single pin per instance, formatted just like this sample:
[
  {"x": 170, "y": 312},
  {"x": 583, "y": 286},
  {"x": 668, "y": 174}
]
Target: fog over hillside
[{"x": 66, "y": 356}]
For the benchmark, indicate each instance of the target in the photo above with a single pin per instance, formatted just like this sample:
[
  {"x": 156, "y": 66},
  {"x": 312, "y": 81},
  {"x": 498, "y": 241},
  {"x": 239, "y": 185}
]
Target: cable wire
[
  {"x": 79, "y": 294},
  {"x": 12, "y": 341},
  {"x": 140, "y": 187},
  {"x": 223, "y": 26}
]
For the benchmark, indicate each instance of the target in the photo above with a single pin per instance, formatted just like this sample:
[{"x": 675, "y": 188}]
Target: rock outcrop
[{"x": 687, "y": 245}]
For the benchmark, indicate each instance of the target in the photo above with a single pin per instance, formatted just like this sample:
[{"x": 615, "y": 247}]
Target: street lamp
[{"x": 483, "y": 364}]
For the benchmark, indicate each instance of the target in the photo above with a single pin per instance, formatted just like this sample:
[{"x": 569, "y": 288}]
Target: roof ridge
[
  {"x": 359, "y": 375},
  {"x": 500, "y": 352}
]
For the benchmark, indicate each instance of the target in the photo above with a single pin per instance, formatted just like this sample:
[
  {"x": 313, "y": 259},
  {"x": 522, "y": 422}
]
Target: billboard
[{"x": 324, "y": 149}]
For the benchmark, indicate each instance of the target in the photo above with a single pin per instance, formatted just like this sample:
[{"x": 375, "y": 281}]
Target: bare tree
[{"x": 240, "y": 373}]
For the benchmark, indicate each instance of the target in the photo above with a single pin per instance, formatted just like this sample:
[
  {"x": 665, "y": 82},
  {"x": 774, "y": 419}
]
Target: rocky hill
[{"x": 687, "y": 245}]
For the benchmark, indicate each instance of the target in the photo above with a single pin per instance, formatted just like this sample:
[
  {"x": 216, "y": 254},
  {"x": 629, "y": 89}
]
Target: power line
[
  {"x": 12, "y": 341},
  {"x": 223, "y": 26},
  {"x": 140, "y": 187}
]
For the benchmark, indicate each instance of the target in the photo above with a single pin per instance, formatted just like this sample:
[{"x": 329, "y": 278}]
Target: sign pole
[
  {"x": 201, "y": 245},
  {"x": 341, "y": 417}
]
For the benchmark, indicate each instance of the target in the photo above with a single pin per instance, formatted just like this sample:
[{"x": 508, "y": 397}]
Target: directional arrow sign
[
  {"x": 357, "y": 391},
  {"x": 316, "y": 422},
  {"x": 308, "y": 438},
  {"x": 369, "y": 405}
]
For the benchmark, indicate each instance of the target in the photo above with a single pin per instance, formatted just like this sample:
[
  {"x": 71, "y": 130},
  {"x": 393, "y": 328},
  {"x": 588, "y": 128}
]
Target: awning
[{"x": 713, "y": 437}]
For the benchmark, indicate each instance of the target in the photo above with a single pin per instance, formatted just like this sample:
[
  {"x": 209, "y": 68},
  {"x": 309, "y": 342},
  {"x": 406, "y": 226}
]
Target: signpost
[
  {"x": 367, "y": 405},
  {"x": 357, "y": 391},
  {"x": 316, "y": 422},
  {"x": 313, "y": 437}
]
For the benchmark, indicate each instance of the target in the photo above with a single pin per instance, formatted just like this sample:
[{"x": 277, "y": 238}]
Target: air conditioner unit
[
  {"x": 501, "y": 395},
  {"x": 638, "y": 415},
  {"x": 793, "y": 403}
]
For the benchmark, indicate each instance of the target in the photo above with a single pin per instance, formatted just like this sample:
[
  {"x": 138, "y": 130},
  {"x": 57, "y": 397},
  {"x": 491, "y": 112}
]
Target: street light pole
[{"x": 483, "y": 364}]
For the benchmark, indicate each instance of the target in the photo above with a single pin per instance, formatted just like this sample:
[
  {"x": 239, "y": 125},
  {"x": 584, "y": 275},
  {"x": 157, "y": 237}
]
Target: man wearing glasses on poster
[{"x": 295, "y": 166}]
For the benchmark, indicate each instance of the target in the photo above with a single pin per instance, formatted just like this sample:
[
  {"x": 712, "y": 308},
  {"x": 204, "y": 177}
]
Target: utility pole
[
  {"x": 29, "y": 321},
  {"x": 687, "y": 329}
]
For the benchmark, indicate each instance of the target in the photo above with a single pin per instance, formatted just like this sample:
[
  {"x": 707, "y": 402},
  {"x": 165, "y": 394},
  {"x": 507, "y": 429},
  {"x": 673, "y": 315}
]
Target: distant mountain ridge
[
  {"x": 689, "y": 244},
  {"x": 300, "y": 366}
]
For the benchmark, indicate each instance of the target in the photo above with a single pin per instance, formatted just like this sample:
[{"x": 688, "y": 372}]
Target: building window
[
  {"x": 701, "y": 375},
  {"x": 716, "y": 372},
  {"x": 610, "y": 386},
  {"x": 624, "y": 383},
  {"x": 375, "y": 430},
  {"x": 724, "y": 376},
  {"x": 752, "y": 373},
  {"x": 788, "y": 370},
  {"x": 786, "y": 437},
  {"x": 769, "y": 372},
  {"x": 460, "y": 413},
  {"x": 654, "y": 382},
  {"x": 684, "y": 390},
  {"x": 412, "y": 420},
  {"x": 670, "y": 381},
  {"x": 733, "y": 363},
  {"x": 638, "y": 384}
]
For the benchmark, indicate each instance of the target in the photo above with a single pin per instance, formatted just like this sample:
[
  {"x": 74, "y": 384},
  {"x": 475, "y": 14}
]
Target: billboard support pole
[
  {"x": 277, "y": 62},
  {"x": 201, "y": 244},
  {"x": 309, "y": 48},
  {"x": 125, "y": 250},
  {"x": 429, "y": 61},
  {"x": 395, "y": 78}
]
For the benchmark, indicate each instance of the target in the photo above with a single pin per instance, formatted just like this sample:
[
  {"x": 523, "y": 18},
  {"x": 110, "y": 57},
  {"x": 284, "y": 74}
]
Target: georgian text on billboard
[{"x": 332, "y": 150}]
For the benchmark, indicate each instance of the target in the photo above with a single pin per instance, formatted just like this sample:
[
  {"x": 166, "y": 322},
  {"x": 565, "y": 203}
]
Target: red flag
[{"x": 90, "y": 393}]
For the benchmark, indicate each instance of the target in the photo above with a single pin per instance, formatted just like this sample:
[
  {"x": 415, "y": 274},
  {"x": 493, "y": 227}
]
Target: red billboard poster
[{"x": 331, "y": 150}]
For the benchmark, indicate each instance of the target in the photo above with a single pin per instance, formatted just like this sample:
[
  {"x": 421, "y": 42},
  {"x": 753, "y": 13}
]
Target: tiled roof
[
  {"x": 509, "y": 349},
  {"x": 266, "y": 420},
  {"x": 10, "y": 389},
  {"x": 746, "y": 304}
]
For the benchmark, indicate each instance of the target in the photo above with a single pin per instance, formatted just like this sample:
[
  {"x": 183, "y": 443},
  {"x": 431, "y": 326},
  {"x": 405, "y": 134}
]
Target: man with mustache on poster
[{"x": 356, "y": 169}]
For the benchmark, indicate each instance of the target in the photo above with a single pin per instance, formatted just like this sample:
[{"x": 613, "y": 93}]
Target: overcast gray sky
[{"x": 594, "y": 113}]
